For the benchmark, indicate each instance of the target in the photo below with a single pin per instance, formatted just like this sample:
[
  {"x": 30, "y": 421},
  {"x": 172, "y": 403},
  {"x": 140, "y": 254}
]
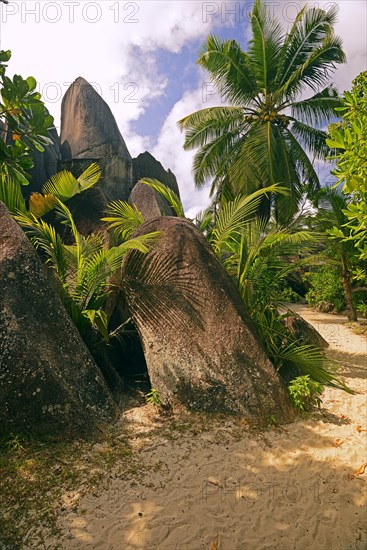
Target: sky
[{"x": 141, "y": 57}]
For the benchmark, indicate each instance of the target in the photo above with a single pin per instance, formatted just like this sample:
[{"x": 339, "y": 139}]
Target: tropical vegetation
[{"x": 271, "y": 123}]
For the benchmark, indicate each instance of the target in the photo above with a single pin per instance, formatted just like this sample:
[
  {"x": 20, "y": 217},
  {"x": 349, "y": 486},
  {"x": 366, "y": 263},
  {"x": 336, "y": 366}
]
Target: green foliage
[
  {"x": 284, "y": 293},
  {"x": 11, "y": 442},
  {"x": 259, "y": 257},
  {"x": 167, "y": 193},
  {"x": 305, "y": 393},
  {"x": 123, "y": 219},
  {"x": 24, "y": 124},
  {"x": 326, "y": 286},
  {"x": 264, "y": 134},
  {"x": 83, "y": 268},
  {"x": 64, "y": 185},
  {"x": 153, "y": 398},
  {"x": 350, "y": 140}
]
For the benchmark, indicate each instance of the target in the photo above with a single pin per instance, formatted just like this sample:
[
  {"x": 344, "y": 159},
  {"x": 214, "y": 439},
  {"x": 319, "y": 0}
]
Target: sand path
[{"x": 229, "y": 489}]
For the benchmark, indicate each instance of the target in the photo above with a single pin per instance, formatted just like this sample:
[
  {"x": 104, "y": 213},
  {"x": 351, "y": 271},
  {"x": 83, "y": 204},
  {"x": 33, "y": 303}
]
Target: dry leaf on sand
[
  {"x": 214, "y": 544},
  {"x": 361, "y": 470}
]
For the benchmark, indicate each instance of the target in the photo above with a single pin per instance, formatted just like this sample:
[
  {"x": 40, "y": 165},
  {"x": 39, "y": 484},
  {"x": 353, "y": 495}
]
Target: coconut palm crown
[{"x": 267, "y": 132}]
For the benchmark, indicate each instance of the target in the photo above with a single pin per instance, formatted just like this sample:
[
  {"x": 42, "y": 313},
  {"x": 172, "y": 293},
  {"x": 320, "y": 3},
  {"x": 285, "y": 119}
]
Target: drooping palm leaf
[
  {"x": 171, "y": 197},
  {"x": 233, "y": 216},
  {"x": 11, "y": 195},
  {"x": 123, "y": 218},
  {"x": 39, "y": 205},
  {"x": 230, "y": 69},
  {"x": 64, "y": 185}
]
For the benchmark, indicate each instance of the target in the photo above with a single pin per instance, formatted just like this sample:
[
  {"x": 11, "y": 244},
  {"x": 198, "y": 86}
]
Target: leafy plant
[
  {"x": 83, "y": 268},
  {"x": 11, "y": 442},
  {"x": 123, "y": 218},
  {"x": 24, "y": 124},
  {"x": 305, "y": 393},
  {"x": 350, "y": 140},
  {"x": 326, "y": 286},
  {"x": 153, "y": 398}
]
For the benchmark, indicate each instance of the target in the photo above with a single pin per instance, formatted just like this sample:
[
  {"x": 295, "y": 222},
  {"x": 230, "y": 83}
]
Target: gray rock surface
[
  {"x": 46, "y": 164},
  {"x": 304, "y": 332},
  {"x": 146, "y": 166},
  {"x": 49, "y": 382},
  {"x": 200, "y": 347},
  {"x": 89, "y": 132},
  {"x": 150, "y": 203}
]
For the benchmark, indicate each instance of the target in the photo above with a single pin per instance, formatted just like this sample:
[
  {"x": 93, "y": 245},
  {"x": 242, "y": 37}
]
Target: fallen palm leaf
[
  {"x": 214, "y": 544},
  {"x": 359, "y": 429},
  {"x": 358, "y": 472},
  {"x": 362, "y": 469},
  {"x": 338, "y": 442}
]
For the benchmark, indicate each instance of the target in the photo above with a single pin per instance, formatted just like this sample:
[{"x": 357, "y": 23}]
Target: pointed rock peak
[
  {"x": 146, "y": 166},
  {"x": 81, "y": 81},
  {"x": 88, "y": 127}
]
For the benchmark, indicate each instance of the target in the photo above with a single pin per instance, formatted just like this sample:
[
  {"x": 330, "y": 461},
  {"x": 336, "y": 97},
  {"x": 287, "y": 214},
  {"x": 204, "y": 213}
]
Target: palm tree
[{"x": 266, "y": 132}]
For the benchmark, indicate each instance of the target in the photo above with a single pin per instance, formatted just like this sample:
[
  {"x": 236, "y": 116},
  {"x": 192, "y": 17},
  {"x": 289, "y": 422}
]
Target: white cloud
[
  {"x": 111, "y": 44},
  {"x": 169, "y": 149}
]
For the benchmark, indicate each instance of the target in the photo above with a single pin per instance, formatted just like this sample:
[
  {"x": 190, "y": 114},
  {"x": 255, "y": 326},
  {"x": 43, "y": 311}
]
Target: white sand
[{"x": 228, "y": 488}]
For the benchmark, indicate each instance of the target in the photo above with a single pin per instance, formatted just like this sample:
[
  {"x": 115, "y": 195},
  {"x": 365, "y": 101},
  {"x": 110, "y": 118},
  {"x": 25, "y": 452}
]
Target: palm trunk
[{"x": 352, "y": 313}]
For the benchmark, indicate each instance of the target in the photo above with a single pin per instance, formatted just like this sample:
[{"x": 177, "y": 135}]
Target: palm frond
[
  {"x": 39, "y": 205},
  {"x": 64, "y": 185},
  {"x": 123, "y": 218},
  {"x": 11, "y": 195},
  {"x": 318, "y": 109},
  {"x": 233, "y": 216},
  {"x": 316, "y": 69},
  {"x": 309, "y": 360},
  {"x": 208, "y": 124},
  {"x": 141, "y": 243},
  {"x": 231, "y": 70},
  {"x": 45, "y": 237},
  {"x": 310, "y": 31},
  {"x": 312, "y": 138},
  {"x": 166, "y": 192},
  {"x": 265, "y": 46},
  {"x": 213, "y": 159}
]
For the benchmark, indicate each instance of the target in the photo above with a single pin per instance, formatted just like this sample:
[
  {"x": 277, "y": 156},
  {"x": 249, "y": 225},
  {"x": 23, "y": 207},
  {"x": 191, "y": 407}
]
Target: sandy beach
[{"x": 218, "y": 485}]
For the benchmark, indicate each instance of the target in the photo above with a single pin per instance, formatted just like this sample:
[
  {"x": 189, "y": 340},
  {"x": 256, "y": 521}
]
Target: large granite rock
[
  {"x": 304, "y": 332},
  {"x": 199, "y": 344},
  {"x": 146, "y": 166},
  {"x": 49, "y": 383},
  {"x": 89, "y": 132},
  {"x": 150, "y": 203},
  {"x": 46, "y": 164}
]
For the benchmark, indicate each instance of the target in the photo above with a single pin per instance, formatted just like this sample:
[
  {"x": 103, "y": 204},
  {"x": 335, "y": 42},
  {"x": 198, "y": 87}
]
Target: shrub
[
  {"x": 326, "y": 286},
  {"x": 305, "y": 393}
]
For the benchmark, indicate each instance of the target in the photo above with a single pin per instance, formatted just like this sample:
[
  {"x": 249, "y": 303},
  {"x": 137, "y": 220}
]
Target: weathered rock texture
[
  {"x": 89, "y": 132},
  {"x": 304, "y": 332},
  {"x": 46, "y": 164},
  {"x": 146, "y": 166},
  {"x": 48, "y": 380},
  {"x": 198, "y": 341},
  {"x": 150, "y": 203}
]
